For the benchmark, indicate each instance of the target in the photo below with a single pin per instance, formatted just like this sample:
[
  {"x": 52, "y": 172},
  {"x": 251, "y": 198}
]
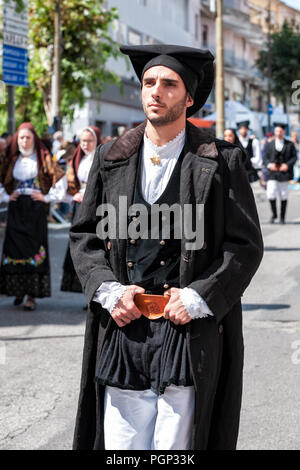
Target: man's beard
[{"x": 173, "y": 113}]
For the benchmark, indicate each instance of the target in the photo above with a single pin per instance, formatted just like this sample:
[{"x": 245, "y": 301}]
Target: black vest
[
  {"x": 251, "y": 171},
  {"x": 154, "y": 263}
]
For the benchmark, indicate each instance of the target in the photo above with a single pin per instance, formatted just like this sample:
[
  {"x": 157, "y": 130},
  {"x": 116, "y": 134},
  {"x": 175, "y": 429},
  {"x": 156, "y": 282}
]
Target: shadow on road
[
  {"x": 276, "y": 248},
  {"x": 247, "y": 307}
]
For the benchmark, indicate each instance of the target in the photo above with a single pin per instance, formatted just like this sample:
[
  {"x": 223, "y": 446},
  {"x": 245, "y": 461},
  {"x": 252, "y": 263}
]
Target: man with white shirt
[
  {"x": 173, "y": 382},
  {"x": 252, "y": 150},
  {"x": 279, "y": 158}
]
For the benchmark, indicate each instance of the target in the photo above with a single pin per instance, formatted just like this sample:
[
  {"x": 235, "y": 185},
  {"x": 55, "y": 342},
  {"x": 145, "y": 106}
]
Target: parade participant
[
  {"x": 279, "y": 157},
  {"x": 77, "y": 175},
  {"x": 231, "y": 136},
  {"x": 58, "y": 138},
  {"x": 252, "y": 150},
  {"x": 30, "y": 180},
  {"x": 173, "y": 382}
]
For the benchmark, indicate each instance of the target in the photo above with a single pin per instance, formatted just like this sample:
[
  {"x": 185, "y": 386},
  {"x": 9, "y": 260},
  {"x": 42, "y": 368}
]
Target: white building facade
[{"x": 140, "y": 22}]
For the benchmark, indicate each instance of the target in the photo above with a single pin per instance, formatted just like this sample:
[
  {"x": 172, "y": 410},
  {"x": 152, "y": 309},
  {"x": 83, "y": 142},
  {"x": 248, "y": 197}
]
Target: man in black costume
[
  {"x": 252, "y": 150},
  {"x": 279, "y": 157},
  {"x": 174, "y": 382}
]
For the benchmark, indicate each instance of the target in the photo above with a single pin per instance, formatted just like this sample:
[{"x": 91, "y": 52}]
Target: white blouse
[
  {"x": 154, "y": 181},
  {"x": 82, "y": 175},
  {"x": 27, "y": 168}
]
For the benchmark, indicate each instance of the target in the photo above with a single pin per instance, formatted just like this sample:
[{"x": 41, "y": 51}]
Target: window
[
  {"x": 197, "y": 22},
  {"x": 134, "y": 37},
  {"x": 205, "y": 35}
]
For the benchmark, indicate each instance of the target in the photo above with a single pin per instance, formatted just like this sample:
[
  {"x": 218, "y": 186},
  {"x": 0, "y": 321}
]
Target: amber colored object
[{"x": 152, "y": 306}]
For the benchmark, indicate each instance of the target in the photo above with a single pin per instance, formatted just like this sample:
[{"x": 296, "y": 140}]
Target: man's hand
[
  {"x": 125, "y": 311},
  {"x": 37, "y": 196},
  {"x": 14, "y": 196},
  {"x": 175, "y": 310},
  {"x": 283, "y": 167},
  {"x": 273, "y": 167}
]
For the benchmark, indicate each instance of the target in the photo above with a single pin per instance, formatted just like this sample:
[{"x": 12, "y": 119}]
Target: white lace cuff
[
  {"x": 109, "y": 294},
  {"x": 194, "y": 304}
]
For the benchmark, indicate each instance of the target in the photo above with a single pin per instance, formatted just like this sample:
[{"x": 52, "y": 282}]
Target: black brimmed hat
[
  {"x": 195, "y": 67},
  {"x": 243, "y": 124},
  {"x": 280, "y": 124}
]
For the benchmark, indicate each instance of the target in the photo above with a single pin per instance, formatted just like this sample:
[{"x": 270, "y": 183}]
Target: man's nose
[{"x": 156, "y": 90}]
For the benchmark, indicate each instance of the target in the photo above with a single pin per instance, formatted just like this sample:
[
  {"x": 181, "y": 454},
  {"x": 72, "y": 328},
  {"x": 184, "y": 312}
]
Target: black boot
[
  {"x": 283, "y": 211},
  {"x": 274, "y": 210}
]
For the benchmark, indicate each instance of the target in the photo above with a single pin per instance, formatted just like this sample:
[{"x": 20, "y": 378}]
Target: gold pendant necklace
[{"x": 155, "y": 160}]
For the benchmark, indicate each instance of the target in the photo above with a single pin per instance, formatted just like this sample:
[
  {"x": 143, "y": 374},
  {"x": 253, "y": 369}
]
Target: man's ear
[{"x": 189, "y": 101}]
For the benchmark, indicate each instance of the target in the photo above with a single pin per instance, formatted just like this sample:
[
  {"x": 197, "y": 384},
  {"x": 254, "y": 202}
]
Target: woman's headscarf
[
  {"x": 79, "y": 153},
  {"x": 73, "y": 183},
  {"x": 39, "y": 147}
]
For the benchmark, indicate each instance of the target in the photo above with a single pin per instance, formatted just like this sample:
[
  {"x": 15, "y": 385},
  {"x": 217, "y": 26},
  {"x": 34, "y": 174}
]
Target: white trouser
[
  {"x": 277, "y": 188},
  {"x": 142, "y": 420}
]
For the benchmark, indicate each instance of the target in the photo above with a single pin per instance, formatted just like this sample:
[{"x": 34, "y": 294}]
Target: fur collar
[{"x": 198, "y": 141}]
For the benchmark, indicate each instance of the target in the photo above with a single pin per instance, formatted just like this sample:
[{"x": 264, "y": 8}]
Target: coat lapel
[
  {"x": 118, "y": 170},
  {"x": 197, "y": 171},
  {"x": 119, "y": 167}
]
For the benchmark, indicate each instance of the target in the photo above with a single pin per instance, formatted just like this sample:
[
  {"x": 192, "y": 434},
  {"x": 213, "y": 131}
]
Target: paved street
[{"x": 40, "y": 352}]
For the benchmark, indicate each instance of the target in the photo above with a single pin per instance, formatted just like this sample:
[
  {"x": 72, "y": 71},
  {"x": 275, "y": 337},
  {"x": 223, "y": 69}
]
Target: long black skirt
[
  {"x": 25, "y": 267},
  {"x": 70, "y": 281}
]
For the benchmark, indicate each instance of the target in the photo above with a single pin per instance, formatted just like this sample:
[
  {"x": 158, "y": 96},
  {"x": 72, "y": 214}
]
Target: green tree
[
  {"x": 86, "y": 47},
  {"x": 285, "y": 64}
]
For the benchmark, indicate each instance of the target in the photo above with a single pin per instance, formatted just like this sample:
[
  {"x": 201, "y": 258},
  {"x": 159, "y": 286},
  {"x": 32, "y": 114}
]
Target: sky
[{"x": 292, "y": 3}]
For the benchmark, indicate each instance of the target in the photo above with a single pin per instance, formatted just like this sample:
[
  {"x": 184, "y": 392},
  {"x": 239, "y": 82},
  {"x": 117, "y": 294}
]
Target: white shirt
[
  {"x": 279, "y": 144},
  {"x": 82, "y": 174},
  {"x": 26, "y": 168},
  {"x": 154, "y": 181},
  {"x": 256, "y": 160}
]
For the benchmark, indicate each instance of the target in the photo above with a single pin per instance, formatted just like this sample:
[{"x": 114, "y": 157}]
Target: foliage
[
  {"x": 285, "y": 65},
  {"x": 86, "y": 47}
]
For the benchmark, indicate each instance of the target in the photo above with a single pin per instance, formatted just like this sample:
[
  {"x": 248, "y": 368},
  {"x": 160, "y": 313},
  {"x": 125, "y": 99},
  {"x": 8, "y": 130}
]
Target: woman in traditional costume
[
  {"x": 30, "y": 180},
  {"x": 77, "y": 175}
]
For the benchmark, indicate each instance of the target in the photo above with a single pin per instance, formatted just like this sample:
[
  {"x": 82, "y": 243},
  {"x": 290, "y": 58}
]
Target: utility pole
[
  {"x": 219, "y": 72},
  {"x": 11, "y": 123},
  {"x": 56, "y": 84},
  {"x": 269, "y": 71}
]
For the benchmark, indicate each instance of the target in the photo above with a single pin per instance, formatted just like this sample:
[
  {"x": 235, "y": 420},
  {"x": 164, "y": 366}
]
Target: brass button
[
  {"x": 221, "y": 328},
  {"x": 108, "y": 245},
  {"x": 132, "y": 242},
  {"x": 162, "y": 242},
  {"x": 166, "y": 286},
  {"x": 162, "y": 263},
  {"x": 130, "y": 264}
]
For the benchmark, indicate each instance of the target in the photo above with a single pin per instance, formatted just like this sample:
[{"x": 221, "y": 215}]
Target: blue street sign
[
  {"x": 15, "y": 65},
  {"x": 270, "y": 109}
]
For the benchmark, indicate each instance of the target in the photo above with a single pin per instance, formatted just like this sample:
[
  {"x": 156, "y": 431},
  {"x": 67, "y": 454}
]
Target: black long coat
[
  {"x": 288, "y": 155},
  {"x": 212, "y": 173}
]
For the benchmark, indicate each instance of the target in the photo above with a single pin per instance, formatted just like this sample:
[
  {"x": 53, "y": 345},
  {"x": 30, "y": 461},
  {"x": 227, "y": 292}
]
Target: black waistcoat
[
  {"x": 154, "y": 263},
  {"x": 148, "y": 354},
  {"x": 251, "y": 171}
]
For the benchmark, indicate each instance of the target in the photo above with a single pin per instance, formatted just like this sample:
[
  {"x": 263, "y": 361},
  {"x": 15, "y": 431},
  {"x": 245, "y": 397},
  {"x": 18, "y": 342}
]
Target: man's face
[
  {"x": 279, "y": 132},
  {"x": 243, "y": 131},
  {"x": 164, "y": 96}
]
